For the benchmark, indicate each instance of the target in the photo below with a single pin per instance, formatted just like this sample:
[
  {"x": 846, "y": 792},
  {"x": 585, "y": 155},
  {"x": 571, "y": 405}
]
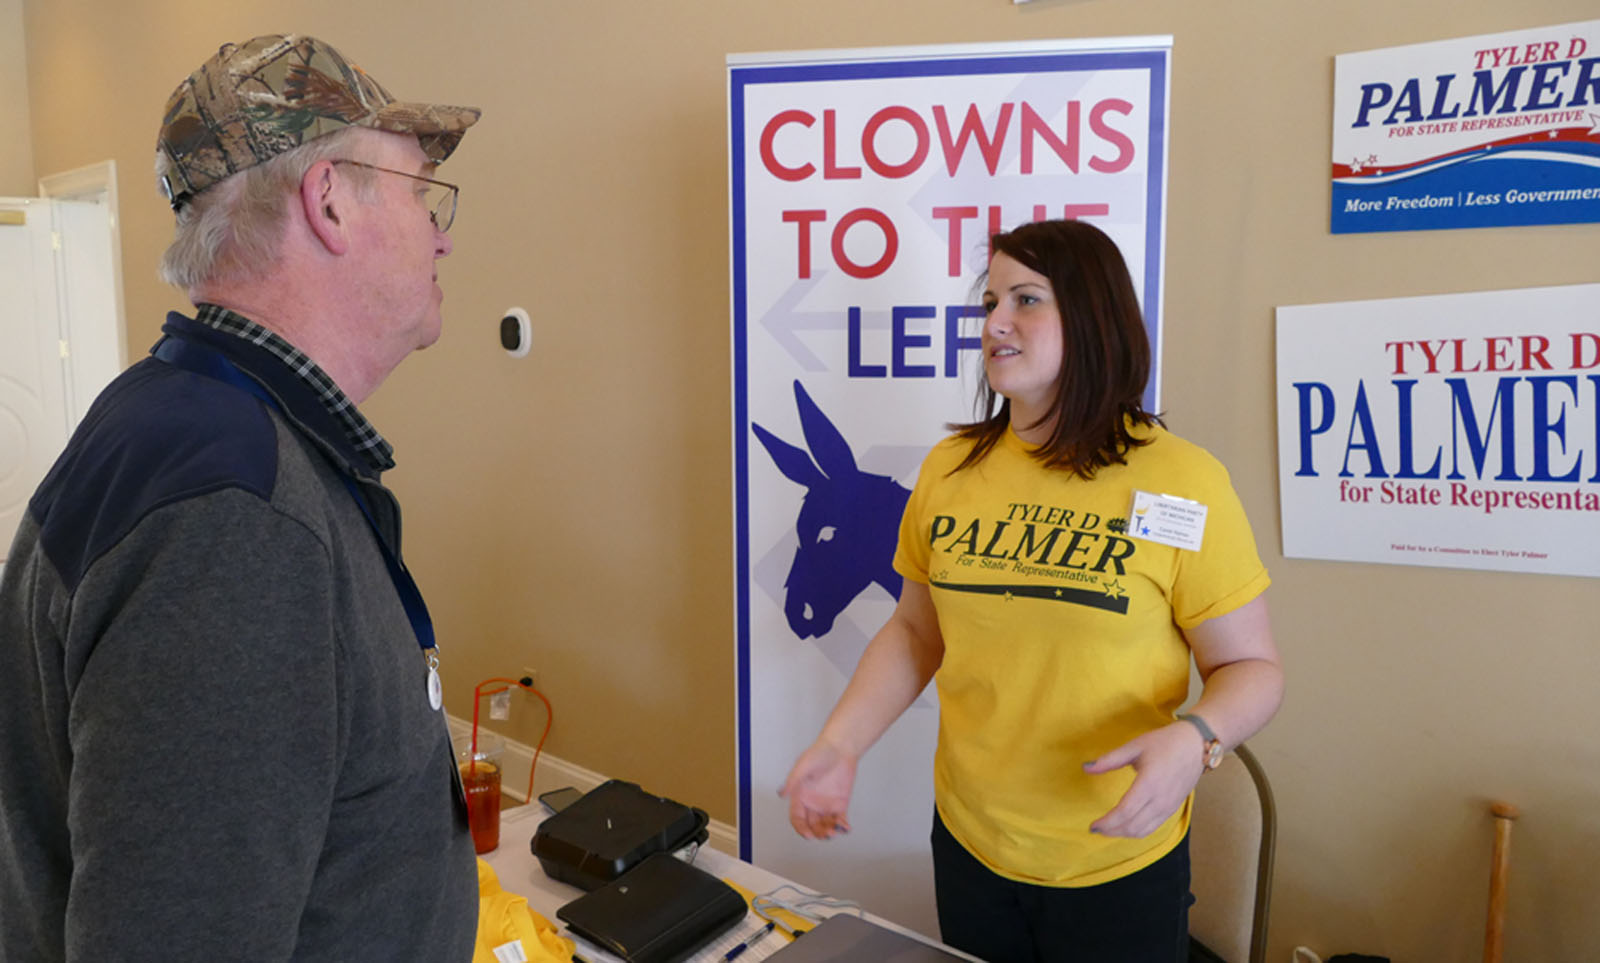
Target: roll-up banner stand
[{"x": 864, "y": 187}]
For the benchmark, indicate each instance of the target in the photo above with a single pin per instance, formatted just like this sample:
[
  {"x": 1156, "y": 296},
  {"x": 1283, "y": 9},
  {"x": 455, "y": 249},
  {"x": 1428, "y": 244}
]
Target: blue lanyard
[{"x": 202, "y": 360}]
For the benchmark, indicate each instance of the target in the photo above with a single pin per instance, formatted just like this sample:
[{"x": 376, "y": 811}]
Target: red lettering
[
  {"x": 956, "y": 216},
  {"x": 891, "y": 243},
  {"x": 1530, "y": 354},
  {"x": 1034, "y": 126},
  {"x": 770, "y": 159},
  {"x": 1499, "y": 353},
  {"x": 1496, "y": 349},
  {"x": 1432, "y": 353},
  {"x": 1579, "y": 339},
  {"x": 1460, "y": 358},
  {"x": 1399, "y": 355},
  {"x": 869, "y": 142},
  {"x": 830, "y": 143},
  {"x": 804, "y": 219},
  {"x": 972, "y": 127},
  {"x": 1033, "y": 135},
  {"x": 1112, "y": 135}
]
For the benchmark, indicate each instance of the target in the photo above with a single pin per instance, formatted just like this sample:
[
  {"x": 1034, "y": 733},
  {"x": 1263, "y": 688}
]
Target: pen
[{"x": 758, "y": 934}]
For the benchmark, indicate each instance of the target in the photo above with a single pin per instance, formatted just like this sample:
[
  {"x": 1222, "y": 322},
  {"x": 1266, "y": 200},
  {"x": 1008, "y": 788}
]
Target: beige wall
[
  {"x": 571, "y": 510},
  {"x": 16, "y": 146}
]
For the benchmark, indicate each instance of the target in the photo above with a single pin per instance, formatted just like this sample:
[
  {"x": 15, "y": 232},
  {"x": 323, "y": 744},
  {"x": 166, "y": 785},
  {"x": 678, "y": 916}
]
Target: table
[{"x": 519, "y": 871}]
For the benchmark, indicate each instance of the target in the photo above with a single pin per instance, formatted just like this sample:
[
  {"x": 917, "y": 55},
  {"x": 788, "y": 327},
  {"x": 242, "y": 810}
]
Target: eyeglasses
[{"x": 439, "y": 198}]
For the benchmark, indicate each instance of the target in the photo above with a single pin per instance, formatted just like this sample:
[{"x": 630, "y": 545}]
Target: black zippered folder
[{"x": 660, "y": 911}]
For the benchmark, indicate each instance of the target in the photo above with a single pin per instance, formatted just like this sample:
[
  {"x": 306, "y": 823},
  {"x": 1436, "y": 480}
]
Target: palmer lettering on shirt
[{"x": 1036, "y": 542}]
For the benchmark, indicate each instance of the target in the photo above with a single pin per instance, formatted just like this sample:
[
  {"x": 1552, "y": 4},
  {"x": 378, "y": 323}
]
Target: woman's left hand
[{"x": 1167, "y": 763}]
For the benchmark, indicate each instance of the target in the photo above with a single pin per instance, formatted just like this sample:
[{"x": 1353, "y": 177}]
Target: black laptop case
[{"x": 611, "y": 829}]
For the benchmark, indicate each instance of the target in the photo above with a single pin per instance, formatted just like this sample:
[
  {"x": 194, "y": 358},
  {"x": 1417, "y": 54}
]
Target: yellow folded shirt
[{"x": 505, "y": 917}]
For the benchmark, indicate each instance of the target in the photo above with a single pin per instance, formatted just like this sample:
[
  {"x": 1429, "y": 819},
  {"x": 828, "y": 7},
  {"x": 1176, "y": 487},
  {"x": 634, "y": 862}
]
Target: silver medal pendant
[{"x": 435, "y": 687}]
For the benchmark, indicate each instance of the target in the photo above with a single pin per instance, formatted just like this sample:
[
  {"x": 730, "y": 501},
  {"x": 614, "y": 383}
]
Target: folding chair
[{"x": 1232, "y": 836}]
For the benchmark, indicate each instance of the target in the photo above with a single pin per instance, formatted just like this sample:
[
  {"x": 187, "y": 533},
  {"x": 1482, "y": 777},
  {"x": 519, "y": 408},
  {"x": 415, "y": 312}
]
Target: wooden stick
[{"x": 1494, "y": 936}]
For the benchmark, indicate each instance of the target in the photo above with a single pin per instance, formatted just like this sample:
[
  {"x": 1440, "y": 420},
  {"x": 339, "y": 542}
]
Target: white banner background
[
  {"x": 1528, "y": 363},
  {"x": 886, "y": 355}
]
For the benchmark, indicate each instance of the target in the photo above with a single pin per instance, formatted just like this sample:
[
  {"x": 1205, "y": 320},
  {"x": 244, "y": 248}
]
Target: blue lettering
[
  {"x": 856, "y": 368},
  {"x": 1303, "y": 390},
  {"x": 906, "y": 345},
  {"x": 1373, "y": 96},
  {"x": 1542, "y": 81},
  {"x": 1543, "y": 428},
  {"x": 1410, "y": 101},
  {"x": 1440, "y": 91},
  {"x": 954, "y": 343},
  {"x": 1462, "y": 417},
  {"x": 1587, "y": 89},
  {"x": 1362, "y": 417},
  {"x": 1486, "y": 93},
  {"x": 1595, "y": 380},
  {"x": 900, "y": 342},
  {"x": 1406, "y": 471}
]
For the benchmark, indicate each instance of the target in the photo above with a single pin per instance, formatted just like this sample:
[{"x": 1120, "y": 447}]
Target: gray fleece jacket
[{"x": 217, "y": 742}]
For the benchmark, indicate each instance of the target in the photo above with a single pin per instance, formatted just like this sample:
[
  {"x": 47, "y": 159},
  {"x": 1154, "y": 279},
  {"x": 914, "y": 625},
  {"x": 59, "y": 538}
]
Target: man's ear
[{"x": 325, "y": 200}]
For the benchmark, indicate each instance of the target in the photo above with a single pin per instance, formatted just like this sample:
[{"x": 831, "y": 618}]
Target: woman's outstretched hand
[{"x": 818, "y": 790}]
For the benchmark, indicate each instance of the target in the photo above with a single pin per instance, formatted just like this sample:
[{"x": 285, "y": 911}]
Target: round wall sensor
[{"x": 516, "y": 332}]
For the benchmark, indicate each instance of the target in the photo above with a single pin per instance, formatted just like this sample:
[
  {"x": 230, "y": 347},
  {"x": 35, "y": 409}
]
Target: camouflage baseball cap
[{"x": 251, "y": 103}]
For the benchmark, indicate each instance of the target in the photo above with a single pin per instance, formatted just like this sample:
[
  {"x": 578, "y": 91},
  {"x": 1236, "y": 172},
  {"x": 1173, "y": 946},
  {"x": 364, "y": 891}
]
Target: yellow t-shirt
[{"x": 1062, "y": 641}]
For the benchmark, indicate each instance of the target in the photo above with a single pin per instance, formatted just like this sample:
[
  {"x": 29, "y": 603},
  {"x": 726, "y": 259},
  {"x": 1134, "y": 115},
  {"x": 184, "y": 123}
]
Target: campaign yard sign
[
  {"x": 1455, "y": 430},
  {"x": 864, "y": 186},
  {"x": 1485, "y": 131}
]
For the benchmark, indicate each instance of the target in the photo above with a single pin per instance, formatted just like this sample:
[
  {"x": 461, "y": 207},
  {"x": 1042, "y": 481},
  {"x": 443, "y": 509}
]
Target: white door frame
[{"x": 97, "y": 182}]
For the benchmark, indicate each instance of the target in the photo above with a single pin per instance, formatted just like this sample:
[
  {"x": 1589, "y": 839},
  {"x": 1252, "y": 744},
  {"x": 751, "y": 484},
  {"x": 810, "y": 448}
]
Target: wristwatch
[{"x": 1213, "y": 748}]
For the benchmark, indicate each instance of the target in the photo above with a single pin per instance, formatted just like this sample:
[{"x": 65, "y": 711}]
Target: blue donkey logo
[{"x": 848, "y": 525}]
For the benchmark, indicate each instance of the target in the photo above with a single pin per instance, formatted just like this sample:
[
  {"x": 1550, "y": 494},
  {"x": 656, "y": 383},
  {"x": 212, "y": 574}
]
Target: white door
[
  {"x": 33, "y": 374},
  {"x": 88, "y": 279},
  {"x": 61, "y": 336}
]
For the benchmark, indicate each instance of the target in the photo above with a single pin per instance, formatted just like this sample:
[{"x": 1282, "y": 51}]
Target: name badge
[{"x": 1167, "y": 520}]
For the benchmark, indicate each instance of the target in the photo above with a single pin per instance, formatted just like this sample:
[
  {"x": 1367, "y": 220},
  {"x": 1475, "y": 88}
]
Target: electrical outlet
[
  {"x": 531, "y": 674},
  {"x": 500, "y": 705}
]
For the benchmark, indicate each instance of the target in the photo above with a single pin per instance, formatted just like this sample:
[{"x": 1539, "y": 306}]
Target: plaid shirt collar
[{"x": 379, "y": 454}]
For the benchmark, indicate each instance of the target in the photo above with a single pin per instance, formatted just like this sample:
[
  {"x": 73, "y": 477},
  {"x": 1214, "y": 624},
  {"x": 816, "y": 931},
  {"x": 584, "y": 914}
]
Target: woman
[{"x": 1060, "y": 632}]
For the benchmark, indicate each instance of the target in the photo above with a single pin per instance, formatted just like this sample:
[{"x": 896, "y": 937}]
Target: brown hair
[{"x": 1105, "y": 358}]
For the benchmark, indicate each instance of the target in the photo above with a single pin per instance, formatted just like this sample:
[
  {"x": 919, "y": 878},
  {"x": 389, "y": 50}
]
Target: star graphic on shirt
[
  {"x": 1058, "y": 593},
  {"x": 1115, "y": 590},
  {"x": 1595, "y": 120},
  {"x": 1372, "y": 158},
  {"x": 1355, "y": 165},
  {"x": 1009, "y": 596}
]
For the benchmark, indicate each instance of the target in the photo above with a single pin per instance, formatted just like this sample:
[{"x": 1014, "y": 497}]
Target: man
[{"x": 222, "y": 732}]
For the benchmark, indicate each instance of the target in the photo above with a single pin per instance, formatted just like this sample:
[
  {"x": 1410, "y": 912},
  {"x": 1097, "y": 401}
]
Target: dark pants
[{"x": 1142, "y": 918}]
